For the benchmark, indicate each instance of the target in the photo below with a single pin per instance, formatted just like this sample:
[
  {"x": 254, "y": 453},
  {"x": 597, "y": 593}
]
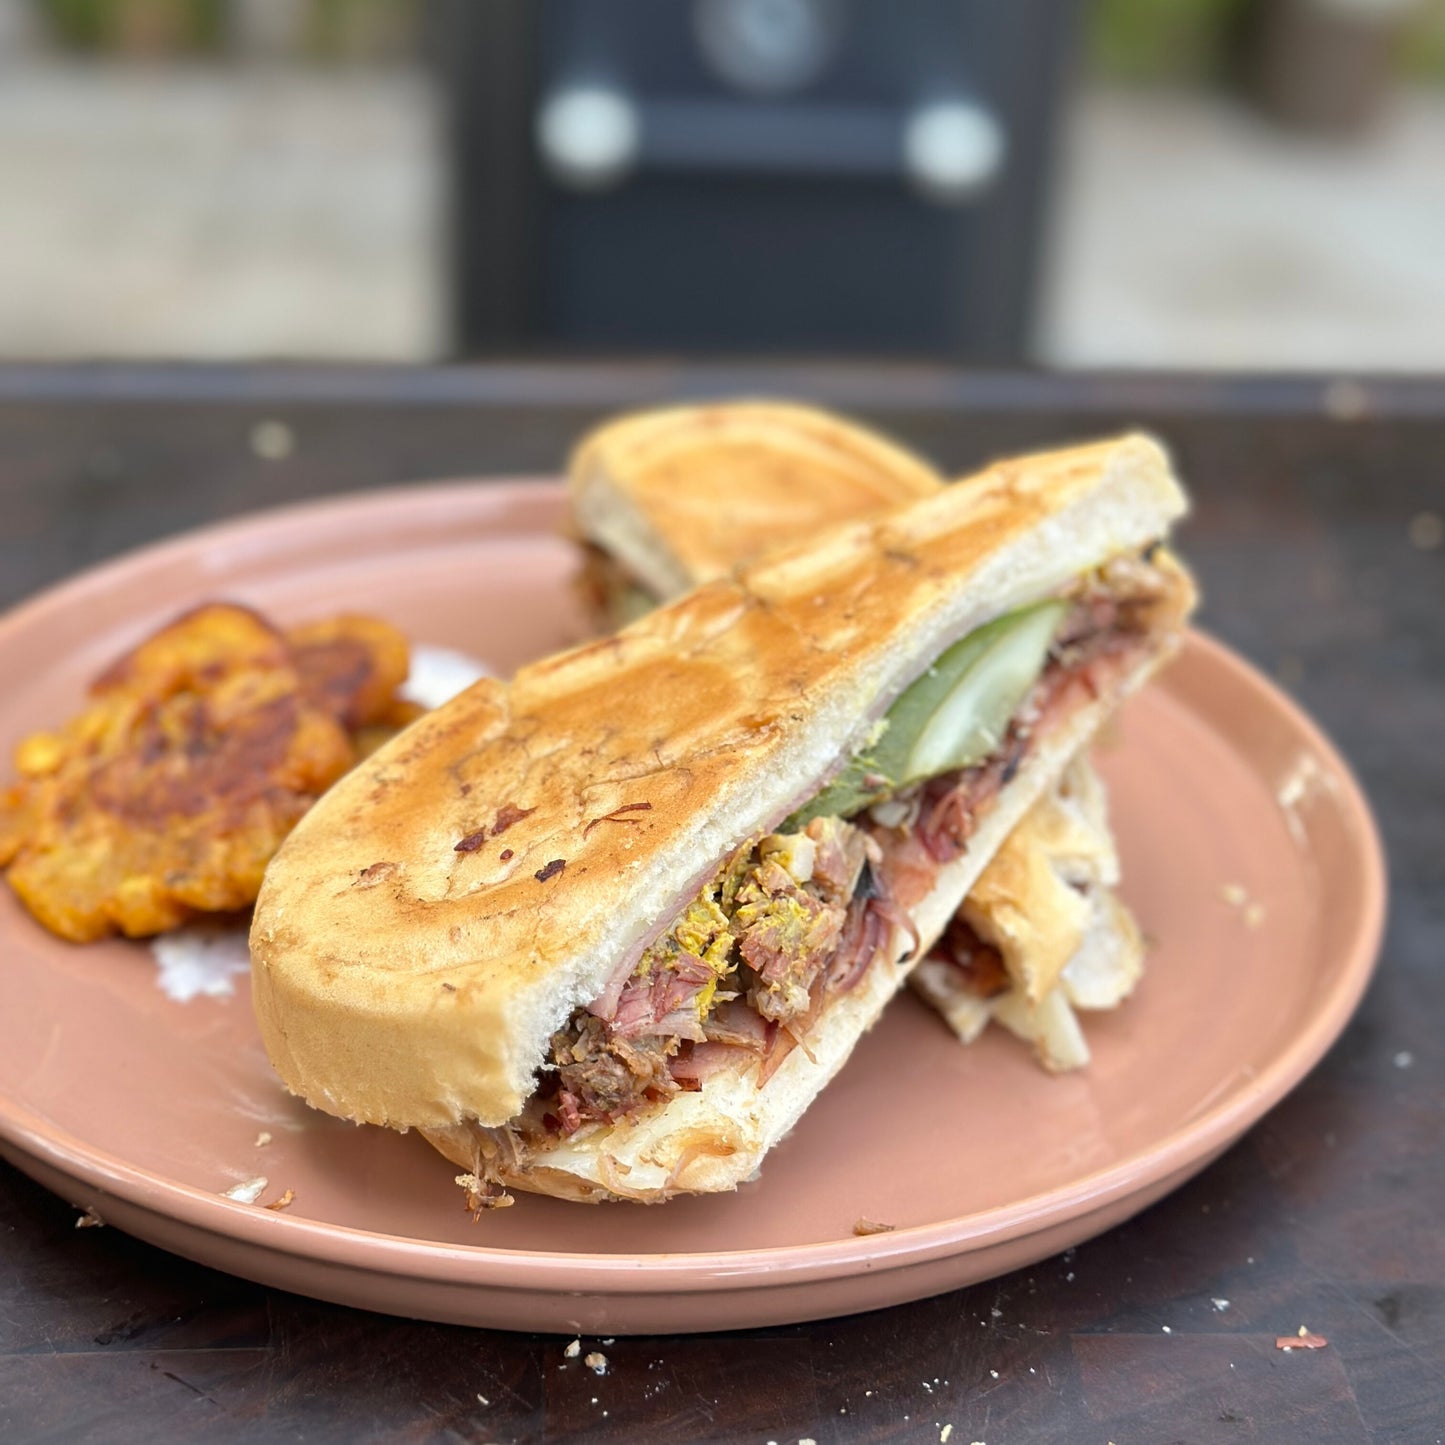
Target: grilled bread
[
  {"x": 447, "y": 929},
  {"x": 665, "y": 500}
]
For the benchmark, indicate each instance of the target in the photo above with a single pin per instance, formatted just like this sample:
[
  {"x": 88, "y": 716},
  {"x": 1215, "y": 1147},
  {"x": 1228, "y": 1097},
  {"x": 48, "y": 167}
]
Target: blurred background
[{"x": 1137, "y": 183}]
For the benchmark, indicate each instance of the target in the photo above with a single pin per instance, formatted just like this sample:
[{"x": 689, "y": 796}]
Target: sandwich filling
[
  {"x": 798, "y": 917},
  {"x": 607, "y": 589}
]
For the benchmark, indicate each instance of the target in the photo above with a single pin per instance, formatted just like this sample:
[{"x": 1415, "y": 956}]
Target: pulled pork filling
[
  {"x": 797, "y": 917},
  {"x": 979, "y": 966},
  {"x": 784, "y": 923},
  {"x": 607, "y": 590}
]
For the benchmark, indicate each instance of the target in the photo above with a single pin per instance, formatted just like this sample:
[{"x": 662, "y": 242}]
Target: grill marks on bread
[{"x": 718, "y": 711}]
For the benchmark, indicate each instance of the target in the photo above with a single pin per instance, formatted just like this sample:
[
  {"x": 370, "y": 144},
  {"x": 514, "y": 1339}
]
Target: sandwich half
[
  {"x": 667, "y": 499},
  {"x": 1042, "y": 933},
  {"x": 605, "y": 931}
]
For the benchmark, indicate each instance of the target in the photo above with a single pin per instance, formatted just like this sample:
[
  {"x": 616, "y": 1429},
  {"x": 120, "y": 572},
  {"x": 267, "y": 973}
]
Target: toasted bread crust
[
  {"x": 1029, "y": 902},
  {"x": 1046, "y": 903},
  {"x": 409, "y": 964},
  {"x": 652, "y": 487},
  {"x": 716, "y": 1138}
]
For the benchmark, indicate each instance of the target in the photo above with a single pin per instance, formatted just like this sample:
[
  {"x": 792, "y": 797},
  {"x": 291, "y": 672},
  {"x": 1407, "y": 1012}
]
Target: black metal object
[{"x": 756, "y": 196}]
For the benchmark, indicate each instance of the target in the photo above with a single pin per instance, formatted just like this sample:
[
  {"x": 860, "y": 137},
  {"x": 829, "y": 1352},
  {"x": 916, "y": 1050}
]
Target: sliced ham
[
  {"x": 865, "y": 935},
  {"x": 740, "y": 1025},
  {"x": 604, "y": 1006},
  {"x": 801, "y": 937},
  {"x": 665, "y": 1002},
  {"x": 699, "y": 1063}
]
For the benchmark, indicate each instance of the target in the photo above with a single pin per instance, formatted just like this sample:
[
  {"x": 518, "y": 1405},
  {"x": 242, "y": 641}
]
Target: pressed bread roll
[{"x": 404, "y": 976}]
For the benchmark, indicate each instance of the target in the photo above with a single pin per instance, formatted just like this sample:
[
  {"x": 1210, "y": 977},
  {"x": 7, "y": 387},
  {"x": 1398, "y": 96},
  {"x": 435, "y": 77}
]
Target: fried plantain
[{"x": 198, "y": 751}]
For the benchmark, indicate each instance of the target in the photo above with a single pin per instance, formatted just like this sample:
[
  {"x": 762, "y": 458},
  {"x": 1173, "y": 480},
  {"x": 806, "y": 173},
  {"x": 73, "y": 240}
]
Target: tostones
[{"x": 195, "y": 755}]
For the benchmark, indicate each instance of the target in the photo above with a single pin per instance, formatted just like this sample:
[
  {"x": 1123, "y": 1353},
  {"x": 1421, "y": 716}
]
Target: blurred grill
[{"x": 751, "y": 175}]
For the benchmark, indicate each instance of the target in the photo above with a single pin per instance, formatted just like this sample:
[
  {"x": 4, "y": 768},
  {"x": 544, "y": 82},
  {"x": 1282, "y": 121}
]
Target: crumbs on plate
[{"x": 872, "y": 1226}]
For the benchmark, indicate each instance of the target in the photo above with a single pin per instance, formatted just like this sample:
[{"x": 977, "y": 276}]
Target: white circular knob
[
  {"x": 768, "y": 47},
  {"x": 589, "y": 135},
  {"x": 952, "y": 149}
]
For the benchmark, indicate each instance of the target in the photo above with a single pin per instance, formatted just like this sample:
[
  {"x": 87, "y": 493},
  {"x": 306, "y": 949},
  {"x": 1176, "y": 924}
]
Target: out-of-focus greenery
[
  {"x": 1424, "y": 48},
  {"x": 1189, "y": 40},
  {"x": 1167, "y": 40},
  {"x": 1144, "y": 40},
  {"x": 347, "y": 28},
  {"x": 170, "y": 25},
  {"x": 326, "y": 29}
]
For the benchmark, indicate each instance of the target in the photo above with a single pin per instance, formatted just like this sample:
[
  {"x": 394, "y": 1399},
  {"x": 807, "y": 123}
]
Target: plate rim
[{"x": 491, "y": 1266}]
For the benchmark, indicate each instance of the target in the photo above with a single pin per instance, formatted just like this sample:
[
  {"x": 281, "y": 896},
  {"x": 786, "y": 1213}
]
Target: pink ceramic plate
[{"x": 147, "y": 1109}]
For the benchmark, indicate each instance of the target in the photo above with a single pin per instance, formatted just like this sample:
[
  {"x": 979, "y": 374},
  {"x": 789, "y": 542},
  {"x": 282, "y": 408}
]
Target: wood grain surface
[{"x": 1318, "y": 537}]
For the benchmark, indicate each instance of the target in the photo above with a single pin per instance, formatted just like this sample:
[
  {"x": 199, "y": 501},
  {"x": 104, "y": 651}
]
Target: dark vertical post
[
  {"x": 486, "y": 55},
  {"x": 1032, "y": 47}
]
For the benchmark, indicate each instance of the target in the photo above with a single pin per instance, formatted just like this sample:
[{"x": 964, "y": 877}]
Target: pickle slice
[
  {"x": 966, "y": 700},
  {"x": 855, "y": 788},
  {"x": 953, "y": 716}
]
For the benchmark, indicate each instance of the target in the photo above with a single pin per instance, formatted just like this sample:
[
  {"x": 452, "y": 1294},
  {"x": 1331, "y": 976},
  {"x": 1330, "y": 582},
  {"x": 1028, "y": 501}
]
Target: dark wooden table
[{"x": 1317, "y": 535}]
